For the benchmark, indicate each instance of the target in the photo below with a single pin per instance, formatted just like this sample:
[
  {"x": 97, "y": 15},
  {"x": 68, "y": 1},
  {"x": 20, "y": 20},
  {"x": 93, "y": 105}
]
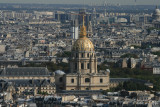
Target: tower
[
  {"x": 83, "y": 66},
  {"x": 89, "y": 34},
  {"x": 74, "y": 29}
]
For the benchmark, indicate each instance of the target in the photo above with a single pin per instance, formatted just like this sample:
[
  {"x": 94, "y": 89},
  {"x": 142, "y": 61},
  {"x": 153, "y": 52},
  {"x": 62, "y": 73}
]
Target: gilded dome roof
[{"x": 83, "y": 43}]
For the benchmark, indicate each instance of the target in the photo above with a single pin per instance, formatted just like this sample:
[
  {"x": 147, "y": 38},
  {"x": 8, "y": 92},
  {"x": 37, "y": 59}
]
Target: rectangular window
[
  {"x": 82, "y": 66},
  {"x": 72, "y": 80},
  {"x": 75, "y": 66},
  {"x": 87, "y": 80},
  {"x": 101, "y": 80},
  {"x": 76, "y": 55},
  {"x": 82, "y": 55},
  {"x": 88, "y": 66}
]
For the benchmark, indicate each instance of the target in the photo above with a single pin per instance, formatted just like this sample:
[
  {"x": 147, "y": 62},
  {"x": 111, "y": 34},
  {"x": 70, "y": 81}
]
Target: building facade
[
  {"x": 83, "y": 67},
  {"x": 28, "y": 79},
  {"x": 156, "y": 69},
  {"x": 27, "y": 86}
]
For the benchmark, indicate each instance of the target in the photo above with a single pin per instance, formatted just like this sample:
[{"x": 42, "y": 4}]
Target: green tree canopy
[{"x": 129, "y": 55}]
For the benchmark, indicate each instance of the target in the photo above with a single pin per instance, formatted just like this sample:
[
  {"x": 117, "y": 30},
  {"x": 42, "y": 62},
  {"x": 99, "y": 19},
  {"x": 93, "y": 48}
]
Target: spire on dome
[{"x": 83, "y": 32}]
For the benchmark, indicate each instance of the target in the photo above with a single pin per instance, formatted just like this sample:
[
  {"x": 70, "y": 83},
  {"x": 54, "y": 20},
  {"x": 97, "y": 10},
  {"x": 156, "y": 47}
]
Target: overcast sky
[{"x": 122, "y": 2}]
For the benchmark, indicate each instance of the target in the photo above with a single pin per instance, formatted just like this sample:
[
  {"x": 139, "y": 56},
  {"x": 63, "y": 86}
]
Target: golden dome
[{"x": 83, "y": 43}]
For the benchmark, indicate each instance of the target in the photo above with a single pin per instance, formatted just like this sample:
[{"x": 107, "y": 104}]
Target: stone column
[
  {"x": 78, "y": 66},
  {"x": 96, "y": 65},
  {"x": 91, "y": 65}
]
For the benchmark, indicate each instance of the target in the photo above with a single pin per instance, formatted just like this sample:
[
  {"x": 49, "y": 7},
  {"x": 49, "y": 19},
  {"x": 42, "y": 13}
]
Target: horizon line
[{"x": 83, "y": 4}]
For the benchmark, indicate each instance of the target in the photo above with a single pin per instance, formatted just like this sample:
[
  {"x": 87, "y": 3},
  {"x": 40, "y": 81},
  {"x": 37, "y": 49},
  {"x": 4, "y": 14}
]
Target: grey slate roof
[
  {"x": 25, "y": 71},
  {"x": 26, "y": 83}
]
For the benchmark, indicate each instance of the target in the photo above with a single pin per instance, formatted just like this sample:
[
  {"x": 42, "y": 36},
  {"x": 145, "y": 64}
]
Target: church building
[{"x": 83, "y": 67}]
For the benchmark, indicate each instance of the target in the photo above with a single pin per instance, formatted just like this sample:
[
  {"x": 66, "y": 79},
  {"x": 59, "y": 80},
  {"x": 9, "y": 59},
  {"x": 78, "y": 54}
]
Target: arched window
[{"x": 87, "y": 80}]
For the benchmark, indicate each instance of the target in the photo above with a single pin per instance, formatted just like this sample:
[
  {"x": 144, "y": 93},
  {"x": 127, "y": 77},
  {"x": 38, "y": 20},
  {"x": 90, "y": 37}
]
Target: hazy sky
[{"x": 123, "y": 2}]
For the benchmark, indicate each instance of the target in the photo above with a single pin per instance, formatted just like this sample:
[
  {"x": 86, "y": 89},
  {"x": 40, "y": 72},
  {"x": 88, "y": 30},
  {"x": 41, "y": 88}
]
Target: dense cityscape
[{"x": 96, "y": 55}]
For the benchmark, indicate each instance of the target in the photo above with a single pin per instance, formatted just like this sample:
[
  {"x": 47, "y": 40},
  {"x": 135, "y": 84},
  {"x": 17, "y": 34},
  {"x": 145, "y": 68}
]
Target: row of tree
[{"x": 130, "y": 86}]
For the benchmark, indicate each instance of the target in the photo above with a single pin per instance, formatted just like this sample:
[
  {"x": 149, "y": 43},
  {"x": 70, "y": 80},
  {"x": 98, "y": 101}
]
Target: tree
[
  {"x": 119, "y": 87},
  {"x": 156, "y": 53},
  {"x": 51, "y": 66},
  {"x": 129, "y": 55},
  {"x": 124, "y": 93},
  {"x": 133, "y": 95},
  {"x": 64, "y": 54}
]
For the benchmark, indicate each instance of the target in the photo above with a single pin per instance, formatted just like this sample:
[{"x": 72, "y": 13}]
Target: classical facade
[
  {"x": 27, "y": 79},
  {"x": 83, "y": 67},
  {"x": 28, "y": 86}
]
